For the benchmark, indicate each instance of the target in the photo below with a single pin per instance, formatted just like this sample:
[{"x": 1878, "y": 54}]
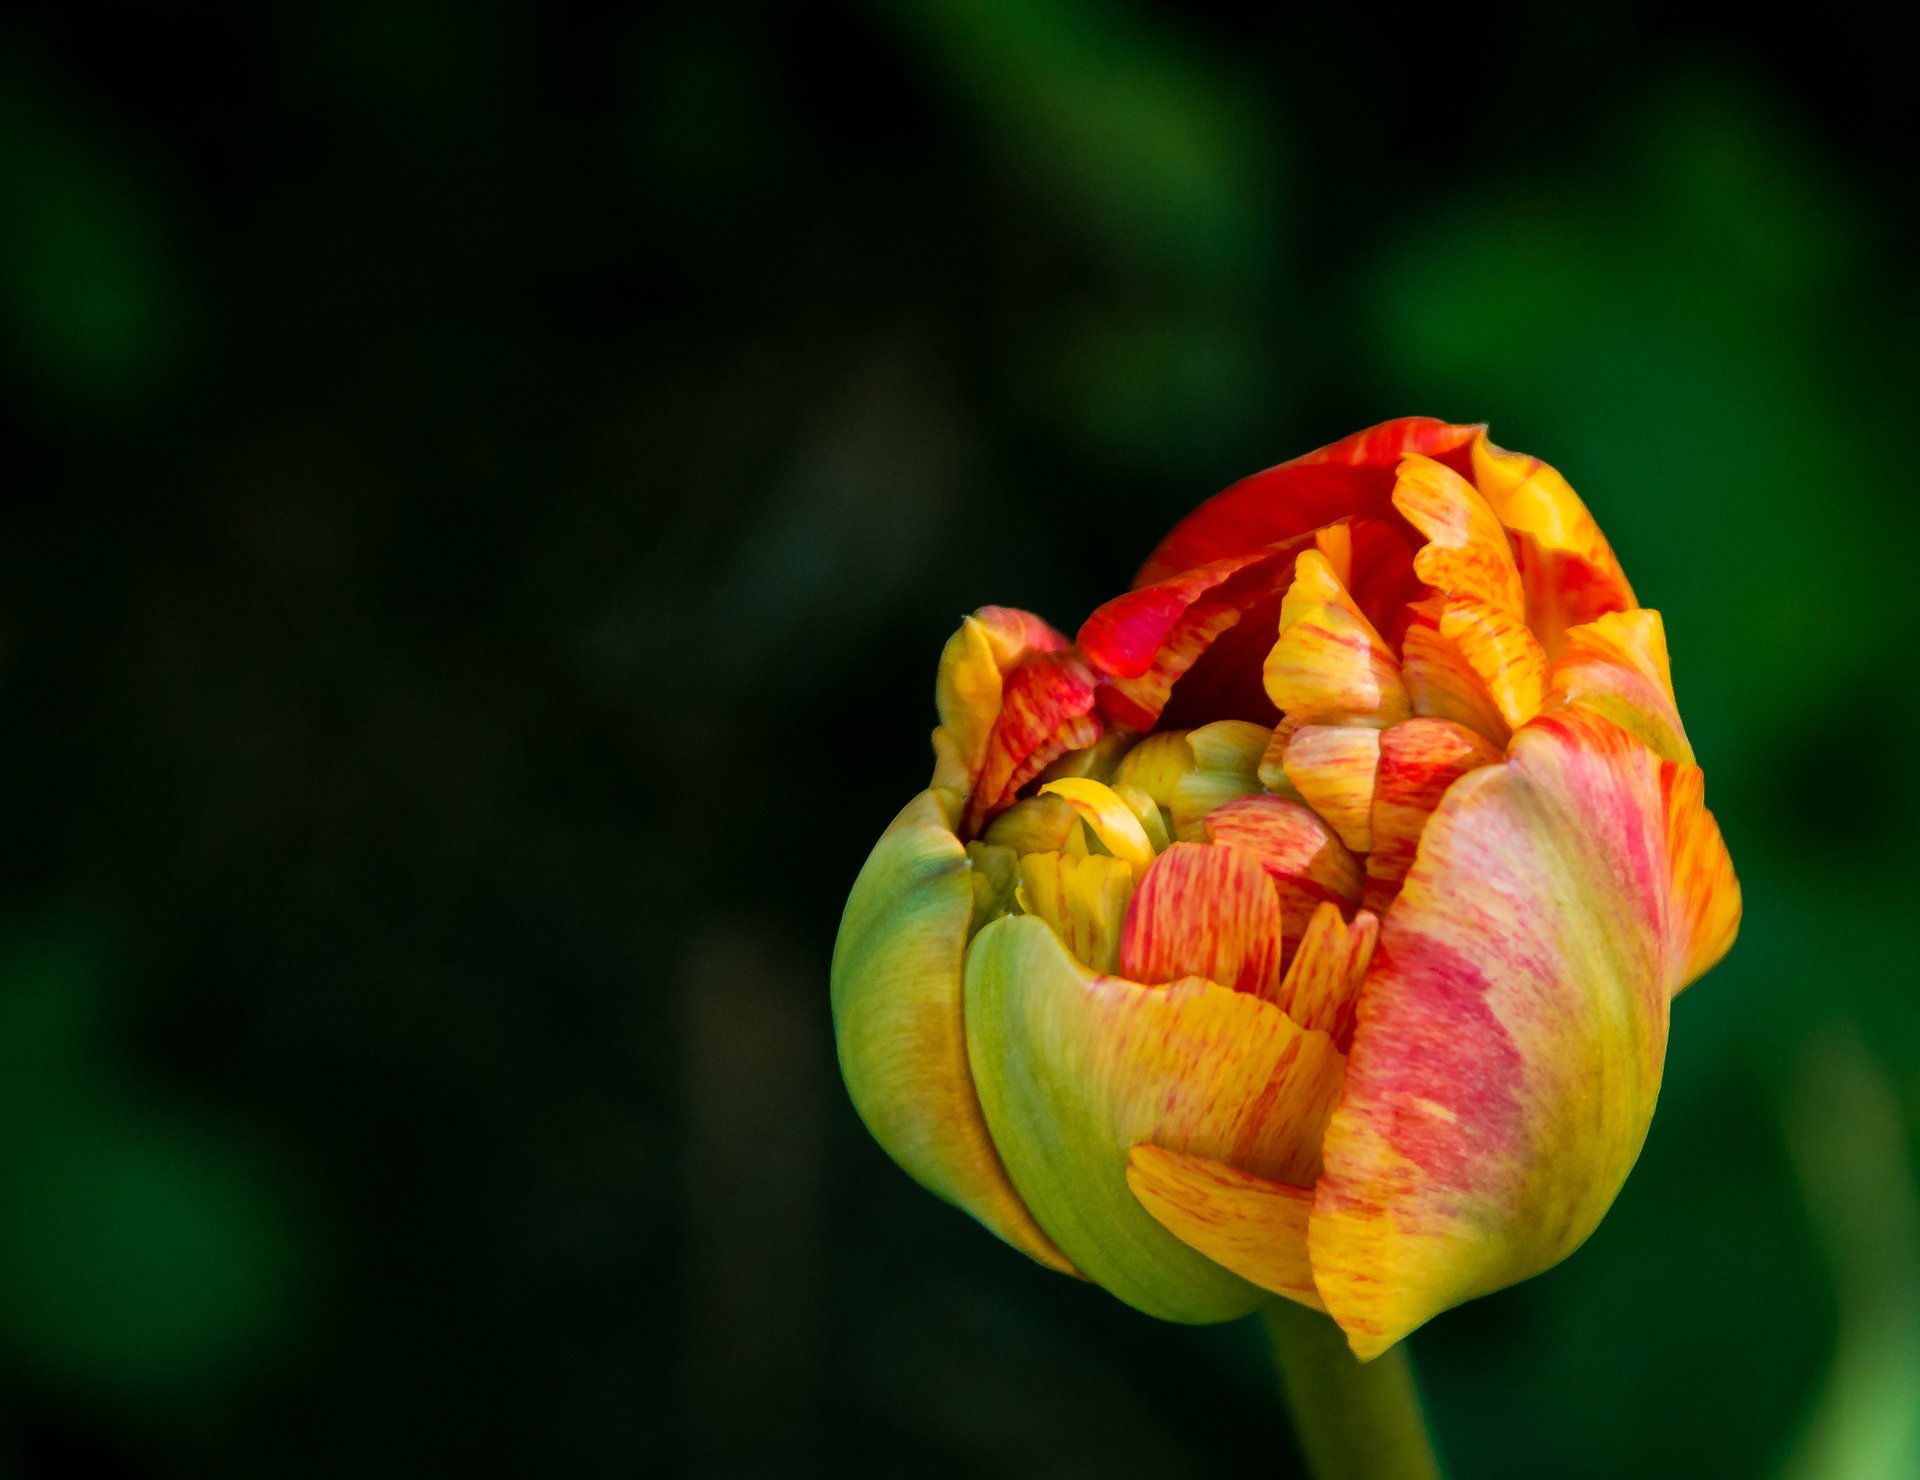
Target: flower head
[{"x": 1306, "y": 926}]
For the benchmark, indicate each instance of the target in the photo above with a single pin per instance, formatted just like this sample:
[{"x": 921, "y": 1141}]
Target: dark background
[{"x": 484, "y": 491}]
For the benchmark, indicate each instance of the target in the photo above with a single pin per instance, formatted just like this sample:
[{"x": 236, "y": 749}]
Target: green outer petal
[
  {"x": 898, "y": 1022},
  {"x": 1053, "y": 1059}
]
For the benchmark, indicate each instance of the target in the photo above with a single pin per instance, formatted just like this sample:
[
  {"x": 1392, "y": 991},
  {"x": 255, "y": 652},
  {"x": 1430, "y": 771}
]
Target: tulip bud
[{"x": 1307, "y": 926}]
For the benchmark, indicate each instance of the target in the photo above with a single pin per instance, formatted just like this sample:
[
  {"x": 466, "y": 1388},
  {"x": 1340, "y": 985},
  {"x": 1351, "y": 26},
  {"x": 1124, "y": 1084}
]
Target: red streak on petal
[{"x": 1204, "y": 911}]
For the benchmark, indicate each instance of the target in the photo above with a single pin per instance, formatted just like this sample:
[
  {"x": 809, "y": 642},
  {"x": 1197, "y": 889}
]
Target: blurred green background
[{"x": 485, "y": 489}]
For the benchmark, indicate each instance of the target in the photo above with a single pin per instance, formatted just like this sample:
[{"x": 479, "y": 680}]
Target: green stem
[{"x": 1356, "y": 1421}]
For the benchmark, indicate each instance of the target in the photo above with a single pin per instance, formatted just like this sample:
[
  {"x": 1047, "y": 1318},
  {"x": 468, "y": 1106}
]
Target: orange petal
[
  {"x": 1074, "y": 1070},
  {"x": 1329, "y": 665},
  {"x": 1419, "y": 760},
  {"x": 1567, "y": 565},
  {"x": 1706, "y": 896},
  {"x": 1251, "y": 1225},
  {"x": 1511, "y": 1033},
  {"x": 1466, "y": 554},
  {"x": 1302, "y": 855},
  {"x": 1333, "y": 767},
  {"x": 1204, "y": 911},
  {"x": 1617, "y": 667},
  {"x": 1046, "y": 710},
  {"x": 1324, "y": 981},
  {"x": 1441, "y": 683},
  {"x": 1503, "y": 651}
]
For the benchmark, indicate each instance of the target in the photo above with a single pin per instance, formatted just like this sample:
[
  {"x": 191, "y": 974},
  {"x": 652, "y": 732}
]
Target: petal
[
  {"x": 967, "y": 688},
  {"x": 1567, "y": 565},
  {"x": 1466, "y": 553},
  {"x": 1040, "y": 824},
  {"x": 1083, "y": 899},
  {"x": 1113, "y": 822},
  {"x": 1329, "y": 665},
  {"x": 1202, "y": 911},
  {"x": 1441, "y": 683},
  {"x": 1123, "y": 635},
  {"x": 1074, "y": 1070},
  {"x": 1098, "y": 760},
  {"x": 1419, "y": 760},
  {"x": 1333, "y": 767},
  {"x": 1324, "y": 981},
  {"x": 1617, "y": 667},
  {"x": 897, "y": 1020},
  {"x": 1046, "y": 710},
  {"x": 1251, "y": 1225},
  {"x": 1511, "y": 1034},
  {"x": 1305, "y": 859},
  {"x": 1226, "y": 759},
  {"x": 1705, "y": 895},
  {"x": 1503, "y": 651},
  {"x": 1156, "y": 764},
  {"x": 1352, "y": 476}
]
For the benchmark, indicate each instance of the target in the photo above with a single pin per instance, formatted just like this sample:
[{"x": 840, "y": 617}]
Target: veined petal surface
[
  {"x": 1254, "y": 1226},
  {"x": 897, "y": 1020},
  {"x": 1511, "y": 1033},
  {"x": 1076, "y": 1069}
]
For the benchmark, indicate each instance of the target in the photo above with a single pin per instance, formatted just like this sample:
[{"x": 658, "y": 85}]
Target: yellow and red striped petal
[
  {"x": 1617, "y": 666},
  {"x": 967, "y": 688},
  {"x": 1254, "y": 1226},
  {"x": 1706, "y": 896},
  {"x": 897, "y": 1020},
  {"x": 1441, "y": 683},
  {"x": 1114, "y": 823},
  {"x": 1511, "y": 1033},
  {"x": 1083, "y": 899},
  {"x": 1466, "y": 554},
  {"x": 1502, "y": 650},
  {"x": 1075, "y": 1069},
  {"x": 1353, "y": 476},
  {"x": 1567, "y": 565},
  {"x": 1324, "y": 981},
  {"x": 1419, "y": 761},
  {"x": 1303, "y": 856},
  {"x": 1329, "y": 665},
  {"x": 1333, "y": 767},
  {"x": 1205, "y": 911},
  {"x": 1046, "y": 710}
]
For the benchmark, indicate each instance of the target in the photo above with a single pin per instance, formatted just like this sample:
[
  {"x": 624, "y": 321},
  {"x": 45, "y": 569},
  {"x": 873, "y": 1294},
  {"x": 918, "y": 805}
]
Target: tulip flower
[{"x": 1306, "y": 927}]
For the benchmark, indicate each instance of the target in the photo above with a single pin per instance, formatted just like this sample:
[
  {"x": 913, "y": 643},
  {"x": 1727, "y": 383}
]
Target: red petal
[
  {"x": 1307, "y": 862},
  {"x": 1046, "y": 709},
  {"x": 1352, "y": 476}
]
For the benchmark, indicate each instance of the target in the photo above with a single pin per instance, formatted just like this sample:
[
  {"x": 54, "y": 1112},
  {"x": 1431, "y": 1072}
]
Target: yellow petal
[
  {"x": 1155, "y": 764},
  {"x": 1083, "y": 899},
  {"x": 1112, "y": 820},
  {"x": 1511, "y": 1033},
  {"x": 967, "y": 688},
  {"x": 1441, "y": 683},
  {"x": 1617, "y": 667},
  {"x": 1324, "y": 981},
  {"x": 1466, "y": 554},
  {"x": 1329, "y": 665},
  {"x": 1076, "y": 1069},
  {"x": 1227, "y": 758},
  {"x": 897, "y": 1020},
  {"x": 1503, "y": 651},
  {"x": 1333, "y": 767},
  {"x": 1565, "y": 562},
  {"x": 1254, "y": 1226}
]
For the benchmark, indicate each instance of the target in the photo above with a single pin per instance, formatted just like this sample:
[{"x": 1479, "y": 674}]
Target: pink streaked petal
[
  {"x": 1305, "y": 859},
  {"x": 1419, "y": 761},
  {"x": 1511, "y": 1033},
  {"x": 1204, "y": 911}
]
